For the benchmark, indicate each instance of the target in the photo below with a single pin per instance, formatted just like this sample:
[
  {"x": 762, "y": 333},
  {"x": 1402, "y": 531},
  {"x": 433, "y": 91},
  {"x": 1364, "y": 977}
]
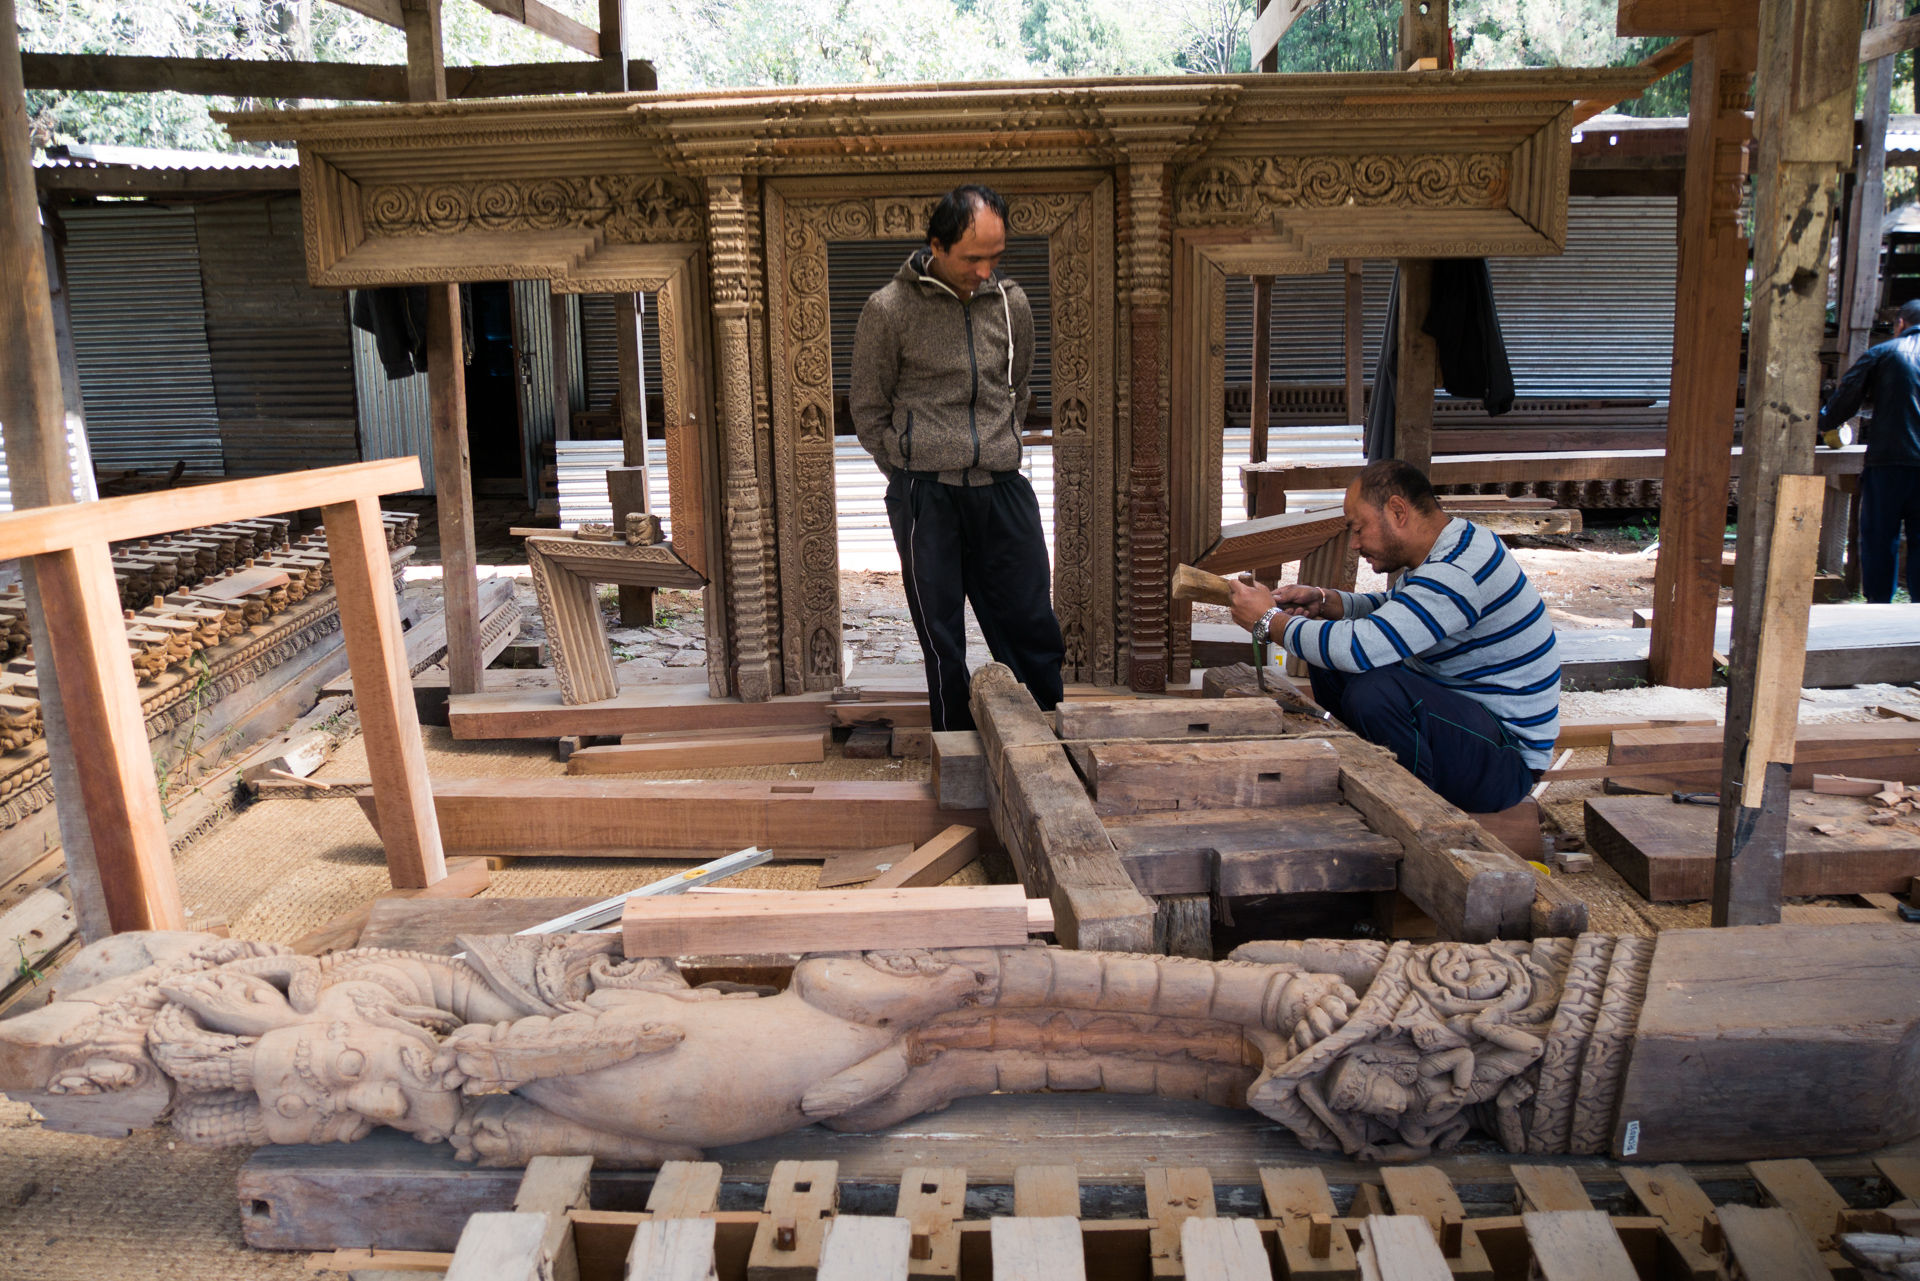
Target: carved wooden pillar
[
  {"x": 1148, "y": 572},
  {"x": 1710, "y": 295},
  {"x": 756, "y": 675}
]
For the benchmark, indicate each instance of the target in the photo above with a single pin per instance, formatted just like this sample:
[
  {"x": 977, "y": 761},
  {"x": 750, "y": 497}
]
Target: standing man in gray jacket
[{"x": 940, "y": 367}]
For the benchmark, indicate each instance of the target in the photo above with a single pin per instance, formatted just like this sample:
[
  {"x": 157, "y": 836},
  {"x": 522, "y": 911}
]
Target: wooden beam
[
  {"x": 1354, "y": 348},
  {"x": 383, "y": 693},
  {"x": 453, "y": 488},
  {"x": 1658, "y": 67},
  {"x": 560, "y": 317},
  {"x": 1042, "y": 813},
  {"x": 1426, "y": 44},
  {"x": 337, "y": 81},
  {"x": 1753, "y": 819},
  {"x": 87, "y": 642},
  {"x": 934, "y": 861},
  {"x": 1135, "y": 778},
  {"x": 1710, "y": 299},
  {"x": 1886, "y": 40},
  {"x": 792, "y": 747},
  {"x": 1686, "y": 17},
  {"x": 1860, "y": 284},
  {"x": 1269, "y": 541},
  {"x": 1261, "y": 384},
  {"x": 1164, "y": 718},
  {"x": 1415, "y": 372},
  {"x": 1269, "y": 25},
  {"x": 387, "y": 11},
  {"x": 34, "y": 404},
  {"x": 825, "y": 920},
  {"x": 548, "y": 22},
  {"x": 629, "y": 484},
  {"x": 426, "y": 63},
  {"x": 612, "y": 47},
  {"x": 633, "y": 818},
  {"x": 642, "y": 710}
]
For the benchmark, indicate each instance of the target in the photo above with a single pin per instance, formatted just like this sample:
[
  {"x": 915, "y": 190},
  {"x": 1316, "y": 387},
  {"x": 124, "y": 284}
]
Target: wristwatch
[{"x": 1260, "y": 633}]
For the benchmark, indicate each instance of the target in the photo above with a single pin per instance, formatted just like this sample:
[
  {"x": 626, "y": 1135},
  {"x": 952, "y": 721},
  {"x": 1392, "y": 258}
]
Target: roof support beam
[
  {"x": 529, "y": 13},
  {"x": 327, "y": 81}
]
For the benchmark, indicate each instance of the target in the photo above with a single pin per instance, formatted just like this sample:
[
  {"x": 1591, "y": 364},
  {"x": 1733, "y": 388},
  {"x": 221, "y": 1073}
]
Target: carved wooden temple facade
[{"x": 1151, "y": 194}]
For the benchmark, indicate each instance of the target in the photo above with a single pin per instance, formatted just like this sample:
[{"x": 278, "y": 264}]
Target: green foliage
[{"x": 722, "y": 43}]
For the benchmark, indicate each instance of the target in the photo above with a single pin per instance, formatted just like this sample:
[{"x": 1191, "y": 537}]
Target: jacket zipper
[
  {"x": 973, "y": 363},
  {"x": 906, "y": 441}
]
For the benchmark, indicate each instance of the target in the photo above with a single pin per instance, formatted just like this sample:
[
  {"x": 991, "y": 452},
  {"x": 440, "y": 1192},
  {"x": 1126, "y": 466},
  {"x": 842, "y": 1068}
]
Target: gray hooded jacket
[{"x": 939, "y": 385}]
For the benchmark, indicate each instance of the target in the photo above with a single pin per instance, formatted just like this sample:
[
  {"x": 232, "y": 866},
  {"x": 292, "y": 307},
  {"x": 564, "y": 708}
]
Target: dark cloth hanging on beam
[
  {"x": 1465, "y": 328},
  {"x": 396, "y": 316}
]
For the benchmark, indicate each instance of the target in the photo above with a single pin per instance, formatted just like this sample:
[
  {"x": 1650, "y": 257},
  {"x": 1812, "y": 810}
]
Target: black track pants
[{"x": 980, "y": 543}]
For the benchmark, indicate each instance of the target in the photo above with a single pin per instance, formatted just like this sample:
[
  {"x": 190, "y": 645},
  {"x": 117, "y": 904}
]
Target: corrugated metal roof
[
  {"x": 600, "y": 351},
  {"x": 140, "y": 338},
  {"x": 77, "y": 155}
]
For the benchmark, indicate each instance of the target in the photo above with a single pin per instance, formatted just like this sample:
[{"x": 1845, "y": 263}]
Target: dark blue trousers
[
  {"x": 1889, "y": 504},
  {"x": 984, "y": 544},
  {"x": 1444, "y": 739}
]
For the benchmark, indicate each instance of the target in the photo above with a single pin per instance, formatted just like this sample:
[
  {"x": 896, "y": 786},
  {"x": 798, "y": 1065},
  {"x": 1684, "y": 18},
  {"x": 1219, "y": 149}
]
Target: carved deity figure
[{"x": 545, "y": 1044}]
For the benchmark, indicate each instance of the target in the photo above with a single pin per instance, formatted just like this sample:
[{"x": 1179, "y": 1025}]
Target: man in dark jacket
[
  {"x": 1888, "y": 376},
  {"x": 939, "y": 391}
]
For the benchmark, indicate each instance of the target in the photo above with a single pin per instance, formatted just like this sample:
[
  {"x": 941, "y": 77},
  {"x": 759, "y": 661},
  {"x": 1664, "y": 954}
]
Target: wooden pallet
[{"x": 1410, "y": 1226}]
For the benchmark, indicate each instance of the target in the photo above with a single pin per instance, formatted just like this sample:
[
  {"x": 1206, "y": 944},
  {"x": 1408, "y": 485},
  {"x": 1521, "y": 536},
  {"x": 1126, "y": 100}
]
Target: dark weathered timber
[
  {"x": 1299, "y": 849},
  {"x": 1043, "y": 816},
  {"x": 1817, "y": 1024},
  {"x": 1665, "y": 851},
  {"x": 1166, "y": 718},
  {"x": 1133, "y": 778}
]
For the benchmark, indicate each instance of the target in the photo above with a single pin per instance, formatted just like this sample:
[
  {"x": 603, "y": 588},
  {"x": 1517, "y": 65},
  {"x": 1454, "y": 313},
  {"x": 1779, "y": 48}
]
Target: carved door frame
[
  {"x": 676, "y": 275},
  {"x": 1076, "y": 212}
]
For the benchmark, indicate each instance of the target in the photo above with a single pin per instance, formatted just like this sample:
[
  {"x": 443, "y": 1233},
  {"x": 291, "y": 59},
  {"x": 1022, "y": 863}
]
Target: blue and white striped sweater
[{"x": 1466, "y": 618}]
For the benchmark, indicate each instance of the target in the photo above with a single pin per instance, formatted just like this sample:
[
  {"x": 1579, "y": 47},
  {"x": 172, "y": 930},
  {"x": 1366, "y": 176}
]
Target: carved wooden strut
[{"x": 537, "y": 1045}]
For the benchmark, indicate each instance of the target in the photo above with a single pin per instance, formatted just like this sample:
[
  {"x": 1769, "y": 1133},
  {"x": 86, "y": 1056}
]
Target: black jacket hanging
[
  {"x": 397, "y": 319},
  {"x": 1465, "y": 328}
]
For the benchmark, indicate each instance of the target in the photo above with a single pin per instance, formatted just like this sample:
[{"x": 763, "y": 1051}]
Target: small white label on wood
[{"x": 1630, "y": 1142}]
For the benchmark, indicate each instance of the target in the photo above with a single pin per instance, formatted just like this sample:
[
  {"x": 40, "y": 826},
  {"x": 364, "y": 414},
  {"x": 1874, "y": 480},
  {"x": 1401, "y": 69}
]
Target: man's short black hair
[
  {"x": 954, "y": 214},
  {"x": 1910, "y": 313},
  {"x": 1390, "y": 476}
]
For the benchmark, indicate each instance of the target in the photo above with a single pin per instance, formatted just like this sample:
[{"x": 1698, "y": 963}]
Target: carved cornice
[
  {"x": 627, "y": 210},
  {"x": 1242, "y": 192}
]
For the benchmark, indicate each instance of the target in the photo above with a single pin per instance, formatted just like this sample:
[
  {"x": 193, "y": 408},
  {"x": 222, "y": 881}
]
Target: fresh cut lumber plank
[
  {"x": 539, "y": 713},
  {"x": 1600, "y": 733},
  {"x": 1266, "y": 541},
  {"x": 796, "y": 747},
  {"x": 933, "y": 862},
  {"x": 647, "y": 818},
  {"x": 826, "y": 920},
  {"x": 1890, "y": 751},
  {"x": 1666, "y": 851},
  {"x": 1042, "y": 813}
]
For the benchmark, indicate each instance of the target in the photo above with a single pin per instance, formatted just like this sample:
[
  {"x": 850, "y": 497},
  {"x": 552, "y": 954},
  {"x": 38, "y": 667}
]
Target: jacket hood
[{"x": 918, "y": 269}]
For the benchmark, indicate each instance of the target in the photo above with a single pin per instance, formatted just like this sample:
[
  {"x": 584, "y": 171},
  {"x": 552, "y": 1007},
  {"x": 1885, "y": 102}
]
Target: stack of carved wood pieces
[
  {"x": 1852, "y": 825},
  {"x": 1410, "y": 1226},
  {"x": 154, "y": 567}
]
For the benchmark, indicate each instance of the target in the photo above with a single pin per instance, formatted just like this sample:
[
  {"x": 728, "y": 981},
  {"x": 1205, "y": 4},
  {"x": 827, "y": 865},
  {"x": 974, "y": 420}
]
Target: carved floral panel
[
  {"x": 1238, "y": 191},
  {"x": 628, "y": 209}
]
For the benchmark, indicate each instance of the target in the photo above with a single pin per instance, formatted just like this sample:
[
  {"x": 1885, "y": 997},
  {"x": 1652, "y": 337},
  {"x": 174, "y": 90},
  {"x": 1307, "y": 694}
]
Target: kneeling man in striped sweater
[{"x": 1453, "y": 669}]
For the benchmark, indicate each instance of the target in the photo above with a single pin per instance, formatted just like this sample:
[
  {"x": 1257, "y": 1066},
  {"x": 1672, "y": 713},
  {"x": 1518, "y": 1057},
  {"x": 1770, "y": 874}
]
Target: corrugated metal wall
[
  {"x": 395, "y": 419},
  {"x": 140, "y": 338},
  {"x": 856, "y": 269},
  {"x": 1309, "y": 325},
  {"x": 1594, "y": 322},
  {"x": 533, "y": 353},
  {"x": 1597, "y": 320},
  {"x": 601, "y": 353},
  {"x": 281, "y": 351}
]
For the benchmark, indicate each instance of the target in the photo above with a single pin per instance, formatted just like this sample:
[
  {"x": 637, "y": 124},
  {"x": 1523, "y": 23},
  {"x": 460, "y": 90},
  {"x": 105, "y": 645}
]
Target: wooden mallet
[{"x": 1198, "y": 585}]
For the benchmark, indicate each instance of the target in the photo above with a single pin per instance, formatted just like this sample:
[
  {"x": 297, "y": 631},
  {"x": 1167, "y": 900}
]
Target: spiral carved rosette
[
  {"x": 627, "y": 209},
  {"x": 1235, "y": 191}
]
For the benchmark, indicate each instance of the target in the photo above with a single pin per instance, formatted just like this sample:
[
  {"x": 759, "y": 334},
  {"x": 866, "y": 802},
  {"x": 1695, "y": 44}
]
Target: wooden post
[
  {"x": 1417, "y": 359},
  {"x": 1144, "y": 208},
  {"x": 560, "y": 313},
  {"x": 1426, "y": 41},
  {"x": 1271, "y": 61},
  {"x": 1862, "y": 284},
  {"x": 87, "y": 646},
  {"x": 33, "y": 409},
  {"x": 613, "y": 45},
  {"x": 453, "y": 488},
  {"x": 636, "y": 603},
  {"x": 1261, "y": 383},
  {"x": 1355, "y": 345},
  {"x": 426, "y": 67},
  {"x": 1808, "y": 64},
  {"x": 383, "y": 692},
  {"x": 1710, "y": 291}
]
